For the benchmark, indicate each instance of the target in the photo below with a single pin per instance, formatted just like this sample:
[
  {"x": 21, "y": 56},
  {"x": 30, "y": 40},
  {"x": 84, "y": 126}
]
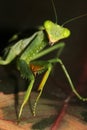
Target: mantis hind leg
[{"x": 57, "y": 60}]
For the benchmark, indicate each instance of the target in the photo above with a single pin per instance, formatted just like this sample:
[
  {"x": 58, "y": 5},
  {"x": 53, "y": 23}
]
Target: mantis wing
[{"x": 16, "y": 49}]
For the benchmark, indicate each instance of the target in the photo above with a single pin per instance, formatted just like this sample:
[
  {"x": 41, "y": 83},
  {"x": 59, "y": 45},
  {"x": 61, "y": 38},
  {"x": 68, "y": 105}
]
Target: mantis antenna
[
  {"x": 54, "y": 9},
  {"x": 75, "y": 18},
  {"x": 68, "y": 21}
]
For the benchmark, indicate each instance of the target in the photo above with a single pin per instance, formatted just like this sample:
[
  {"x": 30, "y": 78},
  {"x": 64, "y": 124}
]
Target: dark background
[
  {"x": 19, "y": 15},
  {"x": 22, "y": 14}
]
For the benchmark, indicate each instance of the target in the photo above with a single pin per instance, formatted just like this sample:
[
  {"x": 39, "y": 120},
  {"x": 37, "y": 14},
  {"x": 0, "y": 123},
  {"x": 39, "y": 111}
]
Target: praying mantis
[{"x": 28, "y": 50}]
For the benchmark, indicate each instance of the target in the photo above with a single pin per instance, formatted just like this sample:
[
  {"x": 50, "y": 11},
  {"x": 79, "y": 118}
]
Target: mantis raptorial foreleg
[
  {"x": 48, "y": 68},
  {"x": 28, "y": 74},
  {"x": 25, "y": 73}
]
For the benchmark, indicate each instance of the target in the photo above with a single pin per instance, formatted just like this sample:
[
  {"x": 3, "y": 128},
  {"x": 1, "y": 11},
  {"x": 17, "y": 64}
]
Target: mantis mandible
[{"x": 29, "y": 50}]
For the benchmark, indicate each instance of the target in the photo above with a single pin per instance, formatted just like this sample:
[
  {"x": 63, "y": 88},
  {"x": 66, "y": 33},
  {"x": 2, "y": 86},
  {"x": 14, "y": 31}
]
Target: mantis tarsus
[{"x": 29, "y": 50}]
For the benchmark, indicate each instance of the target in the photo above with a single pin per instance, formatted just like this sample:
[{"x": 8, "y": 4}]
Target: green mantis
[{"x": 29, "y": 50}]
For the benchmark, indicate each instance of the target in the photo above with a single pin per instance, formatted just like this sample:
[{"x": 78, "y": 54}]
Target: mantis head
[{"x": 55, "y": 32}]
